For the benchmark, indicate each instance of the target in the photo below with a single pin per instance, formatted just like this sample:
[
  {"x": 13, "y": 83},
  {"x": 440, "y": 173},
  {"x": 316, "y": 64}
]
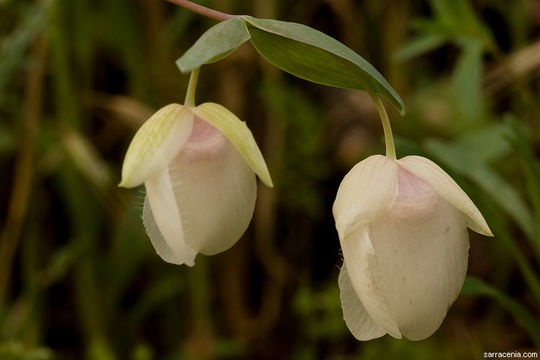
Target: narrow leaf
[
  {"x": 487, "y": 144},
  {"x": 505, "y": 195},
  {"x": 475, "y": 286},
  {"x": 418, "y": 46},
  {"x": 215, "y": 44},
  {"x": 468, "y": 81},
  {"x": 311, "y": 55}
]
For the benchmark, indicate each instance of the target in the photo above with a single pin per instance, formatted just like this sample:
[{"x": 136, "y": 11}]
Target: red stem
[{"x": 199, "y": 9}]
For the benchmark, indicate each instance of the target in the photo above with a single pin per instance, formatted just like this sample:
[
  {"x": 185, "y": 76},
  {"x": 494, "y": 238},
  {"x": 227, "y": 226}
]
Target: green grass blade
[{"x": 475, "y": 286}]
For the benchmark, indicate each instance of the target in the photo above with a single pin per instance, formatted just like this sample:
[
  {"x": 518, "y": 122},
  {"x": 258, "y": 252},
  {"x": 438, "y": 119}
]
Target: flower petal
[
  {"x": 356, "y": 317},
  {"x": 365, "y": 193},
  {"x": 215, "y": 192},
  {"x": 238, "y": 134},
  {"x": 447, "y": 188},
  {"x": 156, "y": 143},
  {"x": 163, "y": 223},
  {"x": 157, "y": 239},
  {"x": 361, "y": 262},
  {"x": 421, "y": 261}
]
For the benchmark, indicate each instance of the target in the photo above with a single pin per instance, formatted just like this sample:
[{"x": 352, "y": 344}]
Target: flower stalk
[
  {"x": 192, "y": 88},
  {"x": 388, "y": 137},
  {"x": 202, "y": 10}
]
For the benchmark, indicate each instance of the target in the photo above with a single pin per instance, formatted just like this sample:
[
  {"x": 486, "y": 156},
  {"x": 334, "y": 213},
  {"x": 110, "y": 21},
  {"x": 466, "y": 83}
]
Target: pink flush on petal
[
  {"x": 414, "y": 196},
  {"x": 204, "y": 142}
]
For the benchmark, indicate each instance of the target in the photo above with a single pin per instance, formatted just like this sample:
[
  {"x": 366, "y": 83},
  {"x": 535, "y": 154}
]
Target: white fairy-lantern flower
[
  {"x": 198, "y": 166},
  {"x": 402, "y": 225}
]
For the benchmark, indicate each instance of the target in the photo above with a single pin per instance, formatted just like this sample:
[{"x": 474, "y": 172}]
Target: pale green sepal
[
  {"x": 314, "y": 56},
  {"x": 215, "y": 44},
  {"x": 238, "y": 134},
  {"x": 156, "y": 144}
]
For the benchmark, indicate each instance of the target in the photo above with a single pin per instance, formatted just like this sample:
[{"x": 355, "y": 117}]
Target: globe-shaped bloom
[
  {"x": 198, "y": 166},
  {"x": 402, "y": 226}
]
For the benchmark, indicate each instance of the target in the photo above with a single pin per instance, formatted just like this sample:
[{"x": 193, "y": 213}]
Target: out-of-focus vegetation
[{"x": 80, "y": 279}]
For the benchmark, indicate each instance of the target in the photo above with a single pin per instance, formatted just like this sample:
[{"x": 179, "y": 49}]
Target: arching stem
[
  {"x": 192, "y": 87},
  {"x": 388, "y": 137},
  {"x": 202, "y": 10}
]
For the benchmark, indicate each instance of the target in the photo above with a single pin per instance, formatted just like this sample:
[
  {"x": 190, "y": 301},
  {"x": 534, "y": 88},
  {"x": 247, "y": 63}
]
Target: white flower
[
  {"x": 402, "y": 225},
  {"x": 198, "y": 165}
]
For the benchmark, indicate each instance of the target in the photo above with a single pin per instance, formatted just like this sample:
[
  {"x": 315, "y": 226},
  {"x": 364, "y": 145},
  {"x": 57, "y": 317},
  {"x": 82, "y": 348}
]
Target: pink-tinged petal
[
  {"x": 363, "y": 270},
  {"x": 447, "y": 188},
  {"x": 156, "y": 144},
  {"x": 163, "y": 223},
  {"x": 356, "y": 317},
  {"x": 215, "y": 190},
  {"x": 421, "y": 250},
  {"x": 365, "y": 193},
  {"x": 237, "y": 132}
]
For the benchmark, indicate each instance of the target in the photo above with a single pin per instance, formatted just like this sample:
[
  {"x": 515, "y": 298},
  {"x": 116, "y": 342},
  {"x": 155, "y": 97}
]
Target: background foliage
[{"x": 78, "y": 276}]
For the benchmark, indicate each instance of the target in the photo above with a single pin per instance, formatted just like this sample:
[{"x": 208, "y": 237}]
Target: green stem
[
  {"x": 192, "y": 87},
  {"x": 388, "y": 137},
  {"x": 202, "y": 10}
]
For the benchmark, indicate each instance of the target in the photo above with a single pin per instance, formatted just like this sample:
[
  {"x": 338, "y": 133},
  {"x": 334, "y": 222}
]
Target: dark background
[{"x": 78, "y": 275}]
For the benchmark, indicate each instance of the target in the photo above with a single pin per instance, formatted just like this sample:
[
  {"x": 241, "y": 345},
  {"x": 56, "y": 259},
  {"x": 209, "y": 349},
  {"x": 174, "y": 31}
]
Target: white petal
[
  {"x": 238, "y": 134},
  {"x": 215, "y": 192},
  {"x": 156, "y": 144},
  {"x": 362, "y": 267},
  {"x": 422, "y": 262},
  {"x": 158, "y": 241},
  {"x": 356, "y": 317},
  {"x": 447, "y": 188},
  {"x": 164, "y": 226},
  {"x": 365, "y": 193}
]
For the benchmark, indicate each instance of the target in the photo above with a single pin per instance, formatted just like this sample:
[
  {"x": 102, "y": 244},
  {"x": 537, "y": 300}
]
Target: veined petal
[
  {"x": 215, "y": 190},
  {"x": 421, "y": 261},
  {"x": 238, "y": 134},
  {"x": 356, "y": 317},
  {"x": 363, "y": 270},
  {"x": 156, "y": 144},
  {"x": 365, "y": 193},
  {"x": 447, "y": 188},
  {"x": 162, "y": 221}
]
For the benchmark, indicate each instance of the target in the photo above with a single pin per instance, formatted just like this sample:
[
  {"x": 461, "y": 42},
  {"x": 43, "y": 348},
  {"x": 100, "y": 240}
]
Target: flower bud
[
  {"x": 198, "y": 166},
  {"x": 402, "y": 226}
]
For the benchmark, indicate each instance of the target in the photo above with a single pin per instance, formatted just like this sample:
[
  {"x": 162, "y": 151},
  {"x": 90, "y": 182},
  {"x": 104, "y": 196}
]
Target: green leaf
[
  {"x": 468, "y": 81},
  {"x": 311, "y": 55},
  {"x": 475, "y": 286},
  {"x": 487, "y": 144},
  {"x": 215, "y": 44},
  {"x": 531, "y": 170},
  {"x": 502, "y": 193},
  {"x": 418, "y": 46}
]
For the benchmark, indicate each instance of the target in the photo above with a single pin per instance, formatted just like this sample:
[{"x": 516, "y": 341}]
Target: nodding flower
[
  {"x": 402, "y": 225},
  {"x": 198, "y": 165}
]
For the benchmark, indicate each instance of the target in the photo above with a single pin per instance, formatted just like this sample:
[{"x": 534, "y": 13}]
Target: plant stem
[
  {"x": 199, "y": 9},
  {"x": 388, "y": 137},
  {"x": 24, "y": 167},
  {"x": 192, "y": 87}
]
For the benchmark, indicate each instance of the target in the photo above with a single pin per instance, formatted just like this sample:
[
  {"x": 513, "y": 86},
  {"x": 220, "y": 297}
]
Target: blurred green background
[{"x": 79, "y": 278}]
